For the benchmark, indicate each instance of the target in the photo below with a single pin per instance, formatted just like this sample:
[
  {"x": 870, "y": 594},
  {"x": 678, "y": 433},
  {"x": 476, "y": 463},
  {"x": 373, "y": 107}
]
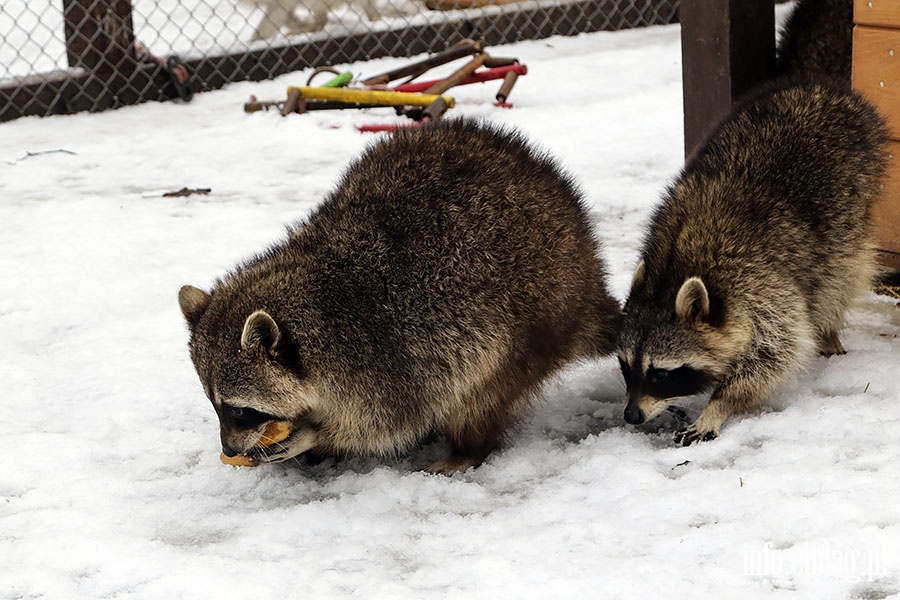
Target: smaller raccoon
[
  {"x": 451, "y": 270},
  {"x": 753, "y": 255}
]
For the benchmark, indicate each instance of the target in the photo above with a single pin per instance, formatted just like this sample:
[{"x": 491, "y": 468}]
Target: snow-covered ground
[{"x": 110, "y": 482}]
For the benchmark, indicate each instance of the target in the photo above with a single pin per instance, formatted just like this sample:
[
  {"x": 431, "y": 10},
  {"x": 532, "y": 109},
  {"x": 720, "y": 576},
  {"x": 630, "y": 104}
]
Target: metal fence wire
[{"x": 63, "y": 56}]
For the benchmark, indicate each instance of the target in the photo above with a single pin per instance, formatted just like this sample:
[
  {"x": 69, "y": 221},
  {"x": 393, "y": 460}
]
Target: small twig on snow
[
  {"x": 184, "y": 192},
  {"x": 29, "y": 154}
]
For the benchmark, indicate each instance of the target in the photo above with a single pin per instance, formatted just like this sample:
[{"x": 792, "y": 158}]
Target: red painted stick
[
  {"x": 479, "y": 77},
  {"x": 380, "y": 128},
  {"x": 457, "y": 50}
]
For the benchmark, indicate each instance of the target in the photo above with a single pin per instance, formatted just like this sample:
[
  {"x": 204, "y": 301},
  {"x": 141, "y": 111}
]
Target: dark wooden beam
[
  {"x": 727, "y": 49},
  {"x": 99, "y": 34},
  {"x": 100, "y": 41}
]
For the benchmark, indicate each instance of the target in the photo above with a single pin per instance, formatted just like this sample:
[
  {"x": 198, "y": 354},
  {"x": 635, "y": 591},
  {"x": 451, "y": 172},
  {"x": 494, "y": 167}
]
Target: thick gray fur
[
  {"x": 450, "y": 271},
  {"x": 816, "y": 42},
  {"x": 754, "y": 254}
]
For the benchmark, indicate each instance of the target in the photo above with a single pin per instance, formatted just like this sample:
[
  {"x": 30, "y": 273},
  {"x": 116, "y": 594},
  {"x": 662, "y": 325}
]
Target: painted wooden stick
[
  {"x": 293, "y": 101},
  {"x": 477, "y": 77},
  {"x": 508, "y": 82},
  {"x": 435, "y": 110},
  {"x": 493, "y": 62},
  {"x": 370, "y": 97},
  {"x": 458, "y": 50},
  {"x": 457, "y": 76}
]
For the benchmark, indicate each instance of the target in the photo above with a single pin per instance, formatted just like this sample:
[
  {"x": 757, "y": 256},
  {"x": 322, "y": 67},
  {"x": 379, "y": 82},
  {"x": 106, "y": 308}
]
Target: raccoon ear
[
  {"x": 638, "y": 276},
  {"x": 262, "y": 335},
  {"x": 193, "y": 302},
  {"x": 692, "y": 301}
]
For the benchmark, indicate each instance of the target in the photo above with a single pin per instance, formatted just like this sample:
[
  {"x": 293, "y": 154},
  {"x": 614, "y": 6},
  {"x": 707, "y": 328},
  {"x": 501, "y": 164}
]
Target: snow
[{"x": 110, "y": 483}]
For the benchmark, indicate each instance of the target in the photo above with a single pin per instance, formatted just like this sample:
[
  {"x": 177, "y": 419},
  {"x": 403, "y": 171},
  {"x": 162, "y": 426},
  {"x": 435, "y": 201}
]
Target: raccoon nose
[
  {"x": 633, "y": 415},
  {"x": 227, "y": 451}
]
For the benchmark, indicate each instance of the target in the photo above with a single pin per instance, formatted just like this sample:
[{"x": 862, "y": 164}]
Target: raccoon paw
[
  {"x": 689, "y": 435},
  {"x": 830, "y": 345},
  {"x": 450, "y": 466}
]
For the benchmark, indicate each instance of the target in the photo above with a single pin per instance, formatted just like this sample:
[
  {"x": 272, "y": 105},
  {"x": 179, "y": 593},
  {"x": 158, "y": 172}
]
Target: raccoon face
[
  {"x": 667, "y": 352},
  {"x": 243, "y": 430},
  {"x": 250, "y": 372},
  {"x": 652, "y": 384}
]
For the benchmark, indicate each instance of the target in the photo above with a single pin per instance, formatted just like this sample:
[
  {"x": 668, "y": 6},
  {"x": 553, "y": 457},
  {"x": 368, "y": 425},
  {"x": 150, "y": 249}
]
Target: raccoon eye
[
  {"x": 245, "y": 416},
  {"x": 657, "y": 375},
  {"x": 672, "y": 383},
  {"x": 626, "y": 371}
]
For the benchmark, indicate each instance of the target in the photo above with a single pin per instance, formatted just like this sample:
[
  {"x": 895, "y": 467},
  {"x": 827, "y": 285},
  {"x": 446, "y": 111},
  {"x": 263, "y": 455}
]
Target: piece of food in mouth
[
  {"x": 238, "y": 460},
  {"x": 276, "y": 431}
]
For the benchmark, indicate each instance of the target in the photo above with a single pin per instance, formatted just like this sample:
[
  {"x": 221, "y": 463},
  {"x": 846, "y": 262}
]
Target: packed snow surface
[{"x": 110, "y": 482}]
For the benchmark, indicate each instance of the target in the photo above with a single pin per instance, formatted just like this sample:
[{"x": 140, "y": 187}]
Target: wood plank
[
  {"x": 876, "y": 71},
  {"x": 886, "y": 212},
  {"x": 727, "y": 48},
  {"x": 883, "y": 13}
]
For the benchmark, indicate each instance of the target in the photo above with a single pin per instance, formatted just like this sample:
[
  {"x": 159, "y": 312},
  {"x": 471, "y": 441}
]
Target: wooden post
[
  {"x": 99, "y": 33},
  {"x": 727, "y": 48},
  {"x": 100, "y": 40}
]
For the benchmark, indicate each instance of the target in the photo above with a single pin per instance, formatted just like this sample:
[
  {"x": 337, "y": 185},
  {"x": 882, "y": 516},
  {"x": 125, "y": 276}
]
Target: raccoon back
[
  {"x": 785, "y": 183},
  {"x": 444, "y": 254}
]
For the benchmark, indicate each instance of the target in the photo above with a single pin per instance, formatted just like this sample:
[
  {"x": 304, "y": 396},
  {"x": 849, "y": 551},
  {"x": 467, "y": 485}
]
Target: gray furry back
[
  {"x": 469, "y": 215},
  {"x": 804, "y": 150}
]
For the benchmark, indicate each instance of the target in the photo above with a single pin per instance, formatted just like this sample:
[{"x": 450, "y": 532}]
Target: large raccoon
[
  {"x": 451, "y": 270},
  {"x": 817, "y": 41},
  {"x": 753, "y": 255}
]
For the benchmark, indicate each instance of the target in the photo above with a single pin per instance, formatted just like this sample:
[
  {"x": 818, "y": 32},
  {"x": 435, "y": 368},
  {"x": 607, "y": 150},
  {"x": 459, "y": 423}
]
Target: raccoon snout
[
  {"x": 634, "y": 415},
  {"x": 229, "y": 451}
]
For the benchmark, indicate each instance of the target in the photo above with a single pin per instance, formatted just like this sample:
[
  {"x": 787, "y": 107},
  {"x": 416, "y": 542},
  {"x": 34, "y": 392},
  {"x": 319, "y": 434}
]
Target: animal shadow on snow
[{"x": 583, "y": 400}]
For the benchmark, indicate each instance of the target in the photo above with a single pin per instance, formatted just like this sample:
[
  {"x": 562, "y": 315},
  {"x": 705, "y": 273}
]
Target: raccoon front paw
[
  {"x": 689, "y": 435},
  {"x": 830, "y": 345},
  {"x": 451, "y": 465}
]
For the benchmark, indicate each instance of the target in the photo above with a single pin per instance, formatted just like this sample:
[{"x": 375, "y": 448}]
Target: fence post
[
  {"x": 100, "y": 40},
  {"x": 728, "y": 47}
]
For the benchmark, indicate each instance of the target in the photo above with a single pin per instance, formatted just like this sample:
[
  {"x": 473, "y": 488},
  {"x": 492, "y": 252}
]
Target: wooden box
[{"x": 876, "y": 73}]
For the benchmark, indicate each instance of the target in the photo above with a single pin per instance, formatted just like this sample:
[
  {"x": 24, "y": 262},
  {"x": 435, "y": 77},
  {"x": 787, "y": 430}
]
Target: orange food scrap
[
  {"x": 239, "y": 460},
  {"x": 277, "y": 431}
]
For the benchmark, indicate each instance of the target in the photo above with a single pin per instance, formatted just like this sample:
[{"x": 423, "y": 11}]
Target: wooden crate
[
  {"x": 876, "y": 73},
  {"x": 877, "y": 13},
  {"x": 887, "y": 210}
]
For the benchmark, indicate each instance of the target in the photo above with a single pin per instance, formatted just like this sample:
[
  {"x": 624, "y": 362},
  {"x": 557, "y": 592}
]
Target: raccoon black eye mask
[
  {"x": 668, "y": 383},
  {"x": 662, "y": 384}
]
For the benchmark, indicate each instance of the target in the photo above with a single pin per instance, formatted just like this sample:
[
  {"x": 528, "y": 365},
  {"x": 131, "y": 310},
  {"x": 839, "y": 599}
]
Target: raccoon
[
  {"x": 817, "y": 42},
  {"x": 753, "y": 255},
  {"x": 452, "y": 269}
]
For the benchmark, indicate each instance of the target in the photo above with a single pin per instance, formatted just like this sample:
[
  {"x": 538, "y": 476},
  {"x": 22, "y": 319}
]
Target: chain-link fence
[{"x": 61, "y": 56}]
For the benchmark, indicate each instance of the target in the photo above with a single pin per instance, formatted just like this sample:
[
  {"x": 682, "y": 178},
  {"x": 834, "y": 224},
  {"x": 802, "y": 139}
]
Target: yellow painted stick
[{"x": 370, "y": 97}]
